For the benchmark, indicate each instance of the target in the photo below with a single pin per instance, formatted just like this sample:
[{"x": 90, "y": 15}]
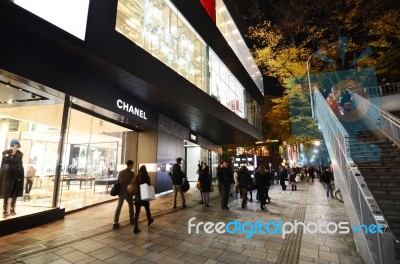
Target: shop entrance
[{"x": 195, "y": 155}]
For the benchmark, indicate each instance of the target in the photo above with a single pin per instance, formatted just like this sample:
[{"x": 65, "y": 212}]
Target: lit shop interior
[{"x": 91, "y": 154}]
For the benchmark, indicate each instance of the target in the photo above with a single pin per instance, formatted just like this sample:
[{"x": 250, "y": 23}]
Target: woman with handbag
[
  {"x": 205, "y": 185},
  {"x": 141, "y": 178},
  {"x": 124, "y": 178}
]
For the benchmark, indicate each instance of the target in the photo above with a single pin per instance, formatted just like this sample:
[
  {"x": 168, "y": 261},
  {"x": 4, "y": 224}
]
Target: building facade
[{"x": 87, "y": 85}]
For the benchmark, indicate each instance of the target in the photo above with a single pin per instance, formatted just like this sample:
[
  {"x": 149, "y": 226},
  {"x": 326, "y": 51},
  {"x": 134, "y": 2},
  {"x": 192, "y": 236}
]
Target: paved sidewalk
[{"x": 87, "y": 236}]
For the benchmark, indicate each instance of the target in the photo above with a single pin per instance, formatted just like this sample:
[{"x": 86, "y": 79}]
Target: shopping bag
[
  {"x": 147, "y": 192},
  {"x": 297, "y": 178}
]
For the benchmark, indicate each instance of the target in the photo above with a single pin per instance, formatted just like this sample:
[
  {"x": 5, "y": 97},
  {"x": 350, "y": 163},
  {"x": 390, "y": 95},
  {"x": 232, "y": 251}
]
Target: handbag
[
  {"x": 132, "y": 188},
  {"x": 185, "y": 186},
  {"x": 198, "y": 185},
  {"x": 115, "y": 189}
]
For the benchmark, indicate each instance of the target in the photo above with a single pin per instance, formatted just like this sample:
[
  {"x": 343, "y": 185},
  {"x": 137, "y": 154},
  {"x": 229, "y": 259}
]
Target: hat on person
[{"x": 13, "y": 142}]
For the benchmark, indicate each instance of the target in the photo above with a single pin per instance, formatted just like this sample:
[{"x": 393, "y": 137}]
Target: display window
[{"x": 93, "y": 150}]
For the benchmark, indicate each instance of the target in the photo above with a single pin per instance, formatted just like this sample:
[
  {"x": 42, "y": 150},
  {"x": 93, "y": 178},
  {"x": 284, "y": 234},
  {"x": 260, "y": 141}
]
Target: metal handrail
[
  {"x": 380, "y": 246},
  {"x": 388, "y": 123},
  {"x": 380, "y": 90}
]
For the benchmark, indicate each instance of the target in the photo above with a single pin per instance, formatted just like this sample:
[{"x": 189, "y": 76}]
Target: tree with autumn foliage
[{"x": 289, "y": 31}]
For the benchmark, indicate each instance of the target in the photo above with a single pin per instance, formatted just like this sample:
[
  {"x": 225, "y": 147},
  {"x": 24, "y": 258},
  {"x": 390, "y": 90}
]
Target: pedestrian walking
[
  {"x": 262, "y": 185},
  {"x": 177, "y": 178},
  {"x": 142, "y": 177},
  {"x": 225, "y": 178},
  {"x": 205, "y": 185},
  {"x": 245, "y": 183},
  {"x": 125, "y": 177},
  {"x": 326, "y": 177}
]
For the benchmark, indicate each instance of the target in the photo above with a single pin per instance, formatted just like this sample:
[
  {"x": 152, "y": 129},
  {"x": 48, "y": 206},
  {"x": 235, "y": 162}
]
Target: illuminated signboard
[
  {"x": 69, "y": 15},
  {"x": 193, "y": 137}
]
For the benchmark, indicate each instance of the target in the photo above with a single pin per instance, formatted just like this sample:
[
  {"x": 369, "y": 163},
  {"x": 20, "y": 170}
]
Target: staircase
[{"x": 379, "y": 163}]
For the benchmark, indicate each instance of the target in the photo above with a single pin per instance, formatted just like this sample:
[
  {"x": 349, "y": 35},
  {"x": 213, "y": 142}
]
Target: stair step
[
  {"x": 378, "y": 169},
  {"x": 378, "y": 164},
  {"x": 391, "y": 191}
]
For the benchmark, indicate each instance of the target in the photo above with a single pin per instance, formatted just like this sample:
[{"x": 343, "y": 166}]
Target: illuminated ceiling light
[
  {"x": 8, "y": 84},
  {"x": 249, "y": 57},
  {"x": 10, "y": 101}
]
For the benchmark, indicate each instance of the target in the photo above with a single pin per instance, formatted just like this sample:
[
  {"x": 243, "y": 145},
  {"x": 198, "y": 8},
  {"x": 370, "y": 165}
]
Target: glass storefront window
[
  {"x": 91, "y": 160},
  {"x": 158, "y": 27},
  {"x": 24, "y": 116},
  {"x": 94, "y": 149}
]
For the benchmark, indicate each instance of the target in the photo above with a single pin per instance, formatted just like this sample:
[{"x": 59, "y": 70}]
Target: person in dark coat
[
  {"x": 262, "y": 185},
  {"x": 142, "y": 177},
  {"x": 326, "y": 177},
  {"x": 124, "y": 178},
  {"x": 225, "y": 179},
  {"x": 11, "y": 176},
  {"x": 177, "y": 177},
  {"x": 292, "y": 178},
  {"x": 205, "y": 185},
  {"x": 245, "y": 181},
  {"x": 283, "y": 176}
]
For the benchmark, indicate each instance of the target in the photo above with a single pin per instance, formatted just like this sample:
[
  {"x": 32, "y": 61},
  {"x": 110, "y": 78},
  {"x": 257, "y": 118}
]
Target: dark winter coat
[
  {"x": 225, "y": 175},
  {"x": 177, "y": 175},
  {"x": 244, "y": 179},
  {"x": 283, "y": 176},
  {"x": 326, "y": 176},
  {"x": 205, "y": 181},
  {"x": 11, "y": 174},
  {"x": 261, "y": 180},
  {"x": 141, "y": 179}
]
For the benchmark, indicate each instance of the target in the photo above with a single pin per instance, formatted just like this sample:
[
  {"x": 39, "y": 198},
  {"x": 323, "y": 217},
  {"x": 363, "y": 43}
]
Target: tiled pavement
[{"x": 87, "y": 237}]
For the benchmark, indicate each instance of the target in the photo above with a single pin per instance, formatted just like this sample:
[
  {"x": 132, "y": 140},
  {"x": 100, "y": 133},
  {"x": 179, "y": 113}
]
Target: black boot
[
  {"x": 295, "y": 187},
  {"x": 5, "y": 213},
  {"x": 136, "y": 230}
]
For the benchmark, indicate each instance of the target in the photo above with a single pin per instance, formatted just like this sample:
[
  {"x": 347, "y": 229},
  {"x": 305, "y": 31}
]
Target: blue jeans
[
  {"x": 328, "y": 189},
  {"x": 129, "y": 200}
]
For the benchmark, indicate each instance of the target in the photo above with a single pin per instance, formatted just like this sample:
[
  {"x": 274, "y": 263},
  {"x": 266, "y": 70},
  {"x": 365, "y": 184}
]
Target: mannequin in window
[{"x": 11, "y": 176}]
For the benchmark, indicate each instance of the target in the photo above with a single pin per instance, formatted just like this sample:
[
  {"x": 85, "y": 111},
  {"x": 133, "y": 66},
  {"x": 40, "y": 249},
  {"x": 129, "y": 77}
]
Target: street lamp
[{"x": 309, "y": 83}]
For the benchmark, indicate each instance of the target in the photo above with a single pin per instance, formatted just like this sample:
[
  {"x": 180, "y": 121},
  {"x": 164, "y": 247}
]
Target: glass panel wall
[
  {"x": 93, "y": 152},
  {"x": 91, "y": 160},
  {"x": 224, "y": 86},
  {"x": 157, "y": 27},
  {"x": 35, "y": 121},
  {"x": 235, "y": 40}
]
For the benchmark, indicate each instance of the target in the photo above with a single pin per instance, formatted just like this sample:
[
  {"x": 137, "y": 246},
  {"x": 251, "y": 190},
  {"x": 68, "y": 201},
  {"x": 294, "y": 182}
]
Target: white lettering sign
[
  {"x": 193, "y": 137},
  {"x": 131, "y": 109}
]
